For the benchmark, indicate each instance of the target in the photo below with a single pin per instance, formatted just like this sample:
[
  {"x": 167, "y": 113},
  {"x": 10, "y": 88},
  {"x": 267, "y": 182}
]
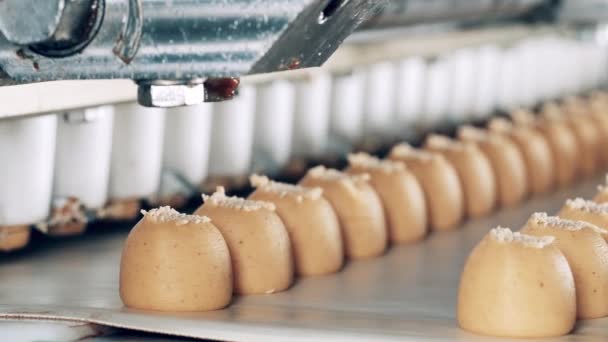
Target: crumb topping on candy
[
  {"x": 367, "y": 161},
  {"x": 285, "y": 189},
  {"x": 587, "y": 206},
  {"x": 478, "y": 135},
  {"x": 523, "y": 117},
  {"x": 405, "y": 150},
  {"x": 167, "y": 214},
  {"x": 506, "y": 235},
  {"x": 442, "y": 142},
  {"x": 321, "y": 172},
  {"x": 552, "y": 111},
  {"x": 473, "y": 133},
  {"x": 219, "y": 199},
  {"x": 544, "y": 220},
  {"x": 501, "y": 125}
]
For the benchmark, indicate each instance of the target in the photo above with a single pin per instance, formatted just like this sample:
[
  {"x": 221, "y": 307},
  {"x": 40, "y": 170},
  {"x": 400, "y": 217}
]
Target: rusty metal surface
[{"x": 407, "y": 295}]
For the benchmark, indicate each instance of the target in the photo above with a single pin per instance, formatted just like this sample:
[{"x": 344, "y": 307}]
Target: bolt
[
  {"x": 167, "y": 93},
  {"x": 30, "y": 21},
  {"x": 49, "y": 24}
]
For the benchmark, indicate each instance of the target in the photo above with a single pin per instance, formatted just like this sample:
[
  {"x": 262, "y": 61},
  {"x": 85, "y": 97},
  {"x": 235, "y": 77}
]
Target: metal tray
[{"x": 408, "y": 295}]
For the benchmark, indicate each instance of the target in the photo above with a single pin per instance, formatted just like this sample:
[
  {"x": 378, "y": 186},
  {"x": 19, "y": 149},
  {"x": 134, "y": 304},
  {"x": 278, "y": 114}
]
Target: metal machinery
[{"x": 76, "y": 148}]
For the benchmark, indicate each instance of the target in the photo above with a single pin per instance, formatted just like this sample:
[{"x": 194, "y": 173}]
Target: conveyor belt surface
[{"x": 407, "y": 295}]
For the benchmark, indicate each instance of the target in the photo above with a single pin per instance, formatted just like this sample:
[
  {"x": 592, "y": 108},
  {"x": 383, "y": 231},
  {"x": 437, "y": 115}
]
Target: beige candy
[
  {"x": 474, "y": 170},
  {"x": 358, "y": 207},
  {"x": 507, "y": 163},
  {"x": 535, "y": 150},
  {"x": 581, "y": 210},
  {"x": 516, "y": 285},
  {"x": 14, "y": 237},
  {"x": 599, "y": 116},
  {"x": 401, "y": 195},
  {"x": 439, "y": 179},
  {"x": 587, "y": 254},
  {"x": 600, "y": 94},
  {"x": 587, "y": 135},
  {"x": 563, "y": 142},
  {"x": 602, "y": 193},
  {"x": 311, "y": 222},
  {"x": 602, "y": 98},
  {"x": 175, "y": 262},
  {"x": 257, "y": 239},
  {"x": 523, "y": 118}
]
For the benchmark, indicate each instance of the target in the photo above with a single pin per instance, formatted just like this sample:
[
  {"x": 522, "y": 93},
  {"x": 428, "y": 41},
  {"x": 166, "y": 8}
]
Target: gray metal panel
[
  {"x": 584, "y": 11},
  {"x": 184, "y": 40},
  {"x": 409, "y": 294}
]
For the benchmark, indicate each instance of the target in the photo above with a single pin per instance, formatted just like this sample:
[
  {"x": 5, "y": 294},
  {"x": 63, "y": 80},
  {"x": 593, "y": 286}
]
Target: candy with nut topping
[
  {"x": 358, "y": 207},
  {"x": 312, "y": 224},
  {"x": 589, "y": 211},
  {"x": 587, "y": 254},
  {"x": 536, "y": 152},
  {"x": 506, "y": 160},
  {"x": 474, "y": 170},
  {"x": 442, "y": 188},
  {"x": 516, "y": 285},
  {"x": 401, "y": 195},
  {"x": 258, "y": 241},
  {"x": 175, "y": 262}
]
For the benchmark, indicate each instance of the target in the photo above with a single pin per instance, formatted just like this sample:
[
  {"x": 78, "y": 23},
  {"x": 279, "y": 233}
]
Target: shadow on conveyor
[
  {"x": 41, "y": 244},
  {"x": 124, "y": 335}
]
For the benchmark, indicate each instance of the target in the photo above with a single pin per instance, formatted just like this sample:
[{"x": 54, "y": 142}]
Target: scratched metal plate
[{"x": 407, "y": 295}]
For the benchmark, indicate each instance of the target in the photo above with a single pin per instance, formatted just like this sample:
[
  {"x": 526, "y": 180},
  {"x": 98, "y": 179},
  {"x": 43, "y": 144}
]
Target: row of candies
[{"x": 178, "y": 262}]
